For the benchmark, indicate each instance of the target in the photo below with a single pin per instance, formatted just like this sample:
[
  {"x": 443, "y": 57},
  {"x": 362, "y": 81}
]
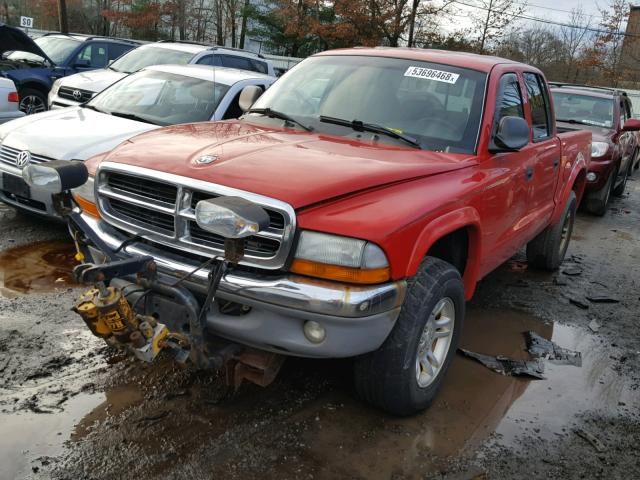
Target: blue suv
[{"x": 34, "y": 65}]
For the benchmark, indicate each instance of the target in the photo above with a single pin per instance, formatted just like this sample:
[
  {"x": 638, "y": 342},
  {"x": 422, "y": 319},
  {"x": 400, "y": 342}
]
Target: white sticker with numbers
[{"x": 431, "y": 74}]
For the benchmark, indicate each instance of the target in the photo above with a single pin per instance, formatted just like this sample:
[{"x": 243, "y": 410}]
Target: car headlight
[
  {"x": 340, "y": 258},
  {"x": 55, "y": 87},
  {"x": 85, "y": 197},
  {"x": 231, "y": 217},
  {"x": 599, "y": 149}
]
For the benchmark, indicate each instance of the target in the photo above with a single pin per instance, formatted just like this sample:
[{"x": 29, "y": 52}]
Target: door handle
[{"x": 529, "y": 173}]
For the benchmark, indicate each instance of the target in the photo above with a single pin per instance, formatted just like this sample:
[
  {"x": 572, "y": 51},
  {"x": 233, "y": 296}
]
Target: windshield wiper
[
  {"x": 132, "y": 116},
  {"x": 95, "y": 109},
  {"x": 360, "y": 126},
  {"x": 579, "y": 122},
  {"x": 282, "y": 116}
]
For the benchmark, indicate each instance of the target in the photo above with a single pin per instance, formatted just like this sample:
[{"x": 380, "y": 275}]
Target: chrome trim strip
[
  {"x": 181, "y": 238},
  {"x": 286, "y": 291}
]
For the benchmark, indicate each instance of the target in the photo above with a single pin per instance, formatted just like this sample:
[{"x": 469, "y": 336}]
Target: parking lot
[{"x": 72, "y": 409}]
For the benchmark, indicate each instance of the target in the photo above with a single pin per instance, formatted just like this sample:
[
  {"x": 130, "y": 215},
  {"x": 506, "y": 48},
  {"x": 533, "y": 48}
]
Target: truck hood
[
  {"x": 297, "y": 167},
  {"x": 93, "y": 80},
  {"x": 15, "y": 39},
  {"x": 73, "y": 133}
]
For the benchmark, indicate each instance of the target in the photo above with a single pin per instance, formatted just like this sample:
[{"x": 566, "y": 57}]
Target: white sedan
[
  {"x": 151, "y": 98},
  {"x": 8, "y": 101}
]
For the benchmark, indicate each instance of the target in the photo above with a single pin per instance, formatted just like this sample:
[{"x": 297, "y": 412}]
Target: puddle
[
  {"x": 474, "y": 403},
  {"x": 26, "y": 436},
  {"x": 38, "y": 267}
]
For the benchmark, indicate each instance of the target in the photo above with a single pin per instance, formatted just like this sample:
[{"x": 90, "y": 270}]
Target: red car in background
[{"x": 615, "y": 150}]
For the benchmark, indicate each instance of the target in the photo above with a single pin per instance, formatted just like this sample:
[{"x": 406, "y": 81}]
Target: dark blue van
[{"x": 34, "y": 65}]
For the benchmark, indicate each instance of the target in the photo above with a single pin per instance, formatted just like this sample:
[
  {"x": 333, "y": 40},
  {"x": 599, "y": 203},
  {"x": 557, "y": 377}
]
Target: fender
[
  {"x": 29, "y": 78},
  {"x": 443, "y": 225},
  {"x": 571, "y": 173}
]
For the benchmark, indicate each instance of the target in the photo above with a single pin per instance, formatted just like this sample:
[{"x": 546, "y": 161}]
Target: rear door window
[
  {"x": 539, "y": 104},
  {"x": 232, "y": 61}
]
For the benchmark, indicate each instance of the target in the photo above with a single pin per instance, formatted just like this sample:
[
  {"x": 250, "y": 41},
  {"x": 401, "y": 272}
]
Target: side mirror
[
  {"x": 81, "y": 63},
  {"x": 248, "y": 96},
  {"x": 512, "y": 134},
  {"x": 631, "y": 125}
]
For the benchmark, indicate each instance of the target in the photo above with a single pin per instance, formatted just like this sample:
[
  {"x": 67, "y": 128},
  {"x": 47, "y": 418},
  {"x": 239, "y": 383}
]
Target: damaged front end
[{"x": 131, "y": 308}]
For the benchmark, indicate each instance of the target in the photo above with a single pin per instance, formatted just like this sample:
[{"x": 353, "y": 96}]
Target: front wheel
[
  {"x": 404, "y": 375},
  {"x": 548, "y": 249},
  {"x": 32, "y": 101},
  {"x": 619, "y": 190},
  {"x": 596, "y": 202}
]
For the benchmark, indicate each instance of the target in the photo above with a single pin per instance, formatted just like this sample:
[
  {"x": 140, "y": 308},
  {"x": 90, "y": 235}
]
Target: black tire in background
[
  {"x": 548, "y": 249},
  {"x": 619, "y": 190},
  {"x": 32, "y": 101},
  {"x": 596, "y": 202},
  {"x": 390, "y": 377}
]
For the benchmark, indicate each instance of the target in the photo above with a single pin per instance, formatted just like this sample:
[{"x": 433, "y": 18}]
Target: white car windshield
[
  {"x": 436, "y": 106},
  {"x": 161, "y": 98},
  {"x": 56, "y": 48},
  {"x": 585, "y": 109},
  {"x": 140, "y": 58}
]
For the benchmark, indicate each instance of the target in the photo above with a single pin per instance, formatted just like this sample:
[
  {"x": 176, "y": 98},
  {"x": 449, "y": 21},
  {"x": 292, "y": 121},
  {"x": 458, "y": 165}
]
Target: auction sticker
[{"x": 431, "y": 74}]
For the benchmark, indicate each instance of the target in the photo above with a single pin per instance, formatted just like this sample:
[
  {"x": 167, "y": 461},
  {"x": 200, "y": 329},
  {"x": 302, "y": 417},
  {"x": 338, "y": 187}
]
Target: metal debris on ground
[
  {"x": 594, "y": 326},
  {"x": 540, "y": 347},
  {"x": 593, "y": 440},
  {"x": 602, "y": 298},
  {"x": 509, "y": 366}
]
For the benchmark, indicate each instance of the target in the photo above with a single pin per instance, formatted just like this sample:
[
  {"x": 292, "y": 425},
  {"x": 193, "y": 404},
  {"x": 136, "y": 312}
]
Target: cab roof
[
  {"x": 482, "y": 63},
  {"x": 226, "y": 76}
]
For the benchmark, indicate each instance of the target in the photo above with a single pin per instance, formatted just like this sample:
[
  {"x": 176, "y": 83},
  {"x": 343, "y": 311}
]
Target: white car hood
[
  {"x": 93, "y": 81},
  {"x": 74, "y": 133}
]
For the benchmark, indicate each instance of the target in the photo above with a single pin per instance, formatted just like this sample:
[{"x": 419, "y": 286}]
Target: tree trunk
[
  {"x": 62, "y": 16},
  {"x": 243, "y": 30},
  {"x": 485, "y": 28},
  {"x": 412, "y": 21},
  {"x": 182, "y": 21}
]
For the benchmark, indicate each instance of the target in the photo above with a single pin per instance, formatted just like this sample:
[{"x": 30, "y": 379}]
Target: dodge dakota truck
[{"x": 349, "y": 213}]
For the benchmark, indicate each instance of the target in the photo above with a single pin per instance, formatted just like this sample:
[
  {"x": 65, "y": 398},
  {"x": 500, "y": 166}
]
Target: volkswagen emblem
[
  {"x": 206, "y": 159},
  {"x": 23, "y": 159},
  {"x": 77, "y": 94}
]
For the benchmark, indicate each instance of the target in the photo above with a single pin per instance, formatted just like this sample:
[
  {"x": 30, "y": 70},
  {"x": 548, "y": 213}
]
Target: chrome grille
[
  {"x": 161, "y": 207},
  {"x": 67, "y": 93},
  {"x": 9, "y": 155}
]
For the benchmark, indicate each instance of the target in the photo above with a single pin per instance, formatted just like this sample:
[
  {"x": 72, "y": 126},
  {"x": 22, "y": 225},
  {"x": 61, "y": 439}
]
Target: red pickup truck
[{"x": 393, "y": 180}]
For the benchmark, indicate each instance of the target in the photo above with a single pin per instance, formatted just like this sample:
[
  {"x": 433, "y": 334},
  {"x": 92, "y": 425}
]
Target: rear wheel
[
  {"x": 596, "y": 202},
  {"x": 548, "y": 249},
  {"x": 404, "y": 375},
  {"x": 32, "y": 101}
]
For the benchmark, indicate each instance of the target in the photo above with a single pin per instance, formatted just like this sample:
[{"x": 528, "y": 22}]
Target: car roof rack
[
  {"x": 592, "y": 88},
  {"x": 187, "y": 42},
  {"x": 222, "y": 47},
  {"x": 87, "y": 37}
]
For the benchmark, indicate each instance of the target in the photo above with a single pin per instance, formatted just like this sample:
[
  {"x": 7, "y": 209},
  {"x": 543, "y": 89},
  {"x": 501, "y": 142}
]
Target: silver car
[
  {"x": 8, "y": 101},
  {"x": 149, "y": 99}
]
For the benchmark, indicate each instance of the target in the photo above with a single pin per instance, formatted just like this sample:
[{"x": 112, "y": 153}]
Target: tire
[
  {"x": 596, "y": 202},
  {"x": 619, "y": 190},
  {"x": 391, "y": 377},
  {"x": 32, "y": 101},
  {"x": 548, "y": 249}
]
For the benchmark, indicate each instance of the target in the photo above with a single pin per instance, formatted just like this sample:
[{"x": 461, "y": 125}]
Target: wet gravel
[{"x": 72, "y": 409}]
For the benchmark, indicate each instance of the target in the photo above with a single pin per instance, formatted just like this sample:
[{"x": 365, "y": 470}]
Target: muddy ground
[{"x": 71, "y": 409}]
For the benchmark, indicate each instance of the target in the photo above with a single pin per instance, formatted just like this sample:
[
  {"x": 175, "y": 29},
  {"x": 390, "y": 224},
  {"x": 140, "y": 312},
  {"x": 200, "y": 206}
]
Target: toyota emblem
[
  {"x": 23, "y": 159},
  {"x": 207, "y": 159},
  {"x": 77, "y": 94}
]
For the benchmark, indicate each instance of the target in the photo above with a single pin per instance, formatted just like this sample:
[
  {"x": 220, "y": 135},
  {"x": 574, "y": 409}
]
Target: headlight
[
  {"x": 340, "y": 258},
  {"x": 55, "y": 87},
  {"x": 231, "y": 217},
  {"x": 86, "y": 191},
  {"x": 599, "y": 149}
]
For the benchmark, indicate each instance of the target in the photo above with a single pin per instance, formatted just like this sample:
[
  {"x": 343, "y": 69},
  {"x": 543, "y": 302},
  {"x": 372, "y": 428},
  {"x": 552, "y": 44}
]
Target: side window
[
  {"x": 509, "y": 101},
  {"x": 539, "y": 103},
  {"x": 95, "y": 54},
  {"x": 217, "y": 60},
  {"x": 232, "y": 61},
  {"x": 259, "y": 66},
  {"x": 116, "y": 50},
  {"x": 207, "y": 60}
]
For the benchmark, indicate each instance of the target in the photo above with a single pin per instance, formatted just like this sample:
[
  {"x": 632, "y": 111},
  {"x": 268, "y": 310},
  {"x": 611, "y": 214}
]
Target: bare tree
[
  {"x": 574, "y": 36},
  {"x": 494, "y": 17}
]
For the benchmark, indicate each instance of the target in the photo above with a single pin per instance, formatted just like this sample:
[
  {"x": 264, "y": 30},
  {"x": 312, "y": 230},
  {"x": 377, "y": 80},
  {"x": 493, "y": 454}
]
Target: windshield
[
  {"x": 57, "y": 49},
  {"x": 146, "y": 56},
  {"x": 571, "y": 107},
  {"x": 161, "y": 98},
  {"x": 438, "y": 105}
]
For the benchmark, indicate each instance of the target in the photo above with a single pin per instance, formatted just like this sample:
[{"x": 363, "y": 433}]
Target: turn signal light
[
  {"x": 13, "y": 97},
  {"x": 87, "y": 207},
  {"x": 341, "y": 274}
]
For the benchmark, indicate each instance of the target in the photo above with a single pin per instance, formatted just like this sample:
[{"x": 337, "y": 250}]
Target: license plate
[{"x": 15, "y": 185}]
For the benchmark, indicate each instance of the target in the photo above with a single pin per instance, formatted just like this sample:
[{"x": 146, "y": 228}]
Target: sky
[{"x": 553, "y": 10}]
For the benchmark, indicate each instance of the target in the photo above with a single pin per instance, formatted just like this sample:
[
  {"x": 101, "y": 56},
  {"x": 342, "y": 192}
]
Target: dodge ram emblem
[
  {"x": 23, "y": 159},
  {"x": 77, "y": 94},
  {"x": 206, "y": 159}
]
